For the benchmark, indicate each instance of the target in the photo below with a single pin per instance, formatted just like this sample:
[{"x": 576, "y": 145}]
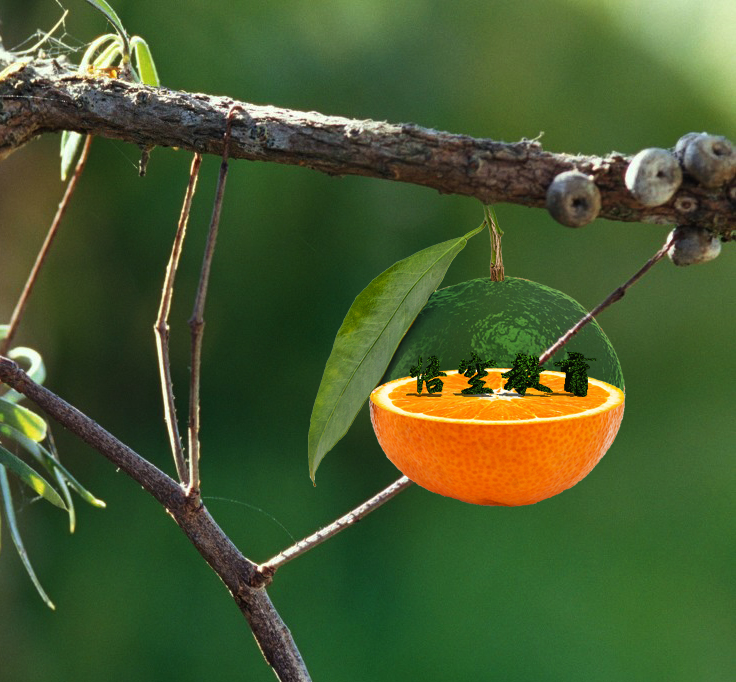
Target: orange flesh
[
  {"x": 452, "y": 404},
  {"x": 496, "y": 450}
]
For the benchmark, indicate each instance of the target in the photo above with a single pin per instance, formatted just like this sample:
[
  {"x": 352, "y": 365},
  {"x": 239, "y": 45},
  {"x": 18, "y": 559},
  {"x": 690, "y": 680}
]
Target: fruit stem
[{"x": 496, "y": 256}]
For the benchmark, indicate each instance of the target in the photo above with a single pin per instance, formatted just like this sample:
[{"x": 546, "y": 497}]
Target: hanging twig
[
  {"x": 616, "y": 295},
  {"x": 266, "y": 570},
  {"x": 20, "y": 306},
  {"x": 196, "y": 322},
  {"x": 161, "y": 328}
]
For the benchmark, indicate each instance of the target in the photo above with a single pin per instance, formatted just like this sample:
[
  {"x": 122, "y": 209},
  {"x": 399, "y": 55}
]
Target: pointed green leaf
[
  {"x": 365, "y": 343},
  {"x": 144, "y": 61},
  {"x": 15, "y": 534},
  {"x": 68, "y": 501},
  {"x": 111, "y": 15},
  {"x": 70, "y": 142},
  {"x": 32, "y": 479},
  {"x": 51, "y": 464},
  {"x": 21, "y": 418}
]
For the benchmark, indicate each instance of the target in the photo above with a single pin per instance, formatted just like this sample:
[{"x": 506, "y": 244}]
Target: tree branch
[
  {"x": 43, "y": 96},
  {"x": 234, "y": 569},
  {"x": 267, "y": 569}
]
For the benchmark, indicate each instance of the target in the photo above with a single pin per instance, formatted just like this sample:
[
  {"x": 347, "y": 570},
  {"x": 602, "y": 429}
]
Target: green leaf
[
  {"x": 89, "y": 58},
  {"x": 365, "y": 343},
  {"x": 15, "y": 534},
  {"x": 36, "y": 369},
  {"x": 21, "y": 418},
  {"x": 30, "y": 477},
  {"x": 69, "y": 145},
  {"x": 108, "y": 55},
  {"x": 112, "y": 17},
  {"x": 4, "y": 329},
  {"x": 51, "y": 463},
  {"x": 68, "y": 500},
  {"x": 144, "y": 61}
]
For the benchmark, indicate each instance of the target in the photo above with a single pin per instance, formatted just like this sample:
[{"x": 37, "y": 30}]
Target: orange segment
[{"x": 500, "y": 449}]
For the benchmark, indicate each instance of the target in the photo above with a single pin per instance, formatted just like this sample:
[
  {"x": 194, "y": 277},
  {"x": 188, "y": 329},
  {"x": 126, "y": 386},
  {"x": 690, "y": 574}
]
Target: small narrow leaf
[
  {"x": 70, "y": 142},
  {"x": 28, "y": 423},
  {"x": 365, "y": 343},
  {"x": 108, "y": 55},
  {"x": 111, "y": 15},
  {"x": 51, "y": 464},
  {"x": 15, "y": 534},
  {"x": 32, "y": 479},
  {"x": 144, "y": 61},
  {"x": 89, "y": 58},
  {"x": 68, "y": 501}
]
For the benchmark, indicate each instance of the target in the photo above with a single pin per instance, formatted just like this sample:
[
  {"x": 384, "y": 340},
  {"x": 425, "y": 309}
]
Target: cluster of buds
[{"x": 653, "y": 177}]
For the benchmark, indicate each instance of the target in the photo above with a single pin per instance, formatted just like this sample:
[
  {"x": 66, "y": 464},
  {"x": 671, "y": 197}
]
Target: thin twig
[
  {"x": 161, "y": 328},
  {"x": 235, "y": 570},
  {"x": 196, "y": 322},
  {"x": 267, "y": 569},
  {"x": 20, "y": 306},
  {"x": 616, "y": 295}
]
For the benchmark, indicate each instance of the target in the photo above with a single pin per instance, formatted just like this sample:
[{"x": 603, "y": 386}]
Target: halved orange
[{"x": 499, "y": 449}]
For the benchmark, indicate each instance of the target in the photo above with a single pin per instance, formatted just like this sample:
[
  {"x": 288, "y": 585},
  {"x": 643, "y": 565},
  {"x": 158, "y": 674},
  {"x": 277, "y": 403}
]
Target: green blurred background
[{"x": 628, "y": 576}]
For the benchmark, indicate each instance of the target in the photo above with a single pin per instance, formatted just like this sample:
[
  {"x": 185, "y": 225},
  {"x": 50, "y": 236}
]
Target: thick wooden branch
[
  {"x": 43, "y": 96},
  {"x": 234, "y": 569}
]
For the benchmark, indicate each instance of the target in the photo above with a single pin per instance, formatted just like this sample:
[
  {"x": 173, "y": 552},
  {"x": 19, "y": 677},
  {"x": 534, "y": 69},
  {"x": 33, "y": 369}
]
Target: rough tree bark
[{"x": 43, "y": 96}]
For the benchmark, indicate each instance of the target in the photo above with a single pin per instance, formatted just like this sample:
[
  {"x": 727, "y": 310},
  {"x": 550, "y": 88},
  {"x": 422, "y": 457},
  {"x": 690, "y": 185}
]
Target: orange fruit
[{"x": 500, "y": 449}]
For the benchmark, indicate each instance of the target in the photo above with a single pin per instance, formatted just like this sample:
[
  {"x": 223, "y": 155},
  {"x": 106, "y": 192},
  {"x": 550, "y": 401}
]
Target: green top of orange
[{"x": 498, "y": 320}]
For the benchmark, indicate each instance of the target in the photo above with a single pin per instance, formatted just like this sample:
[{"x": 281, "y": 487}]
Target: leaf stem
[
  {"x": 616, "y": 295},
  {"x": 161, "y": 328},
  {"x": 266, "y": 570},
  {"x": 20, "y": 306}
]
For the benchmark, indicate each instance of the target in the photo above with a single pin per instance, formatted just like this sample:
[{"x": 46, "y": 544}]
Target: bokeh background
[{"x": 628, "y": 576}]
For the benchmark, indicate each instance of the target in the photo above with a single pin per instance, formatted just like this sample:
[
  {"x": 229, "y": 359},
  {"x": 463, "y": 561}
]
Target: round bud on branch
[
  {"x": 653, "y": 176},
  {"x": 693, "y": 245},
  {"x": 573, "y": 199},
  {"x": 710, "y": 159}
]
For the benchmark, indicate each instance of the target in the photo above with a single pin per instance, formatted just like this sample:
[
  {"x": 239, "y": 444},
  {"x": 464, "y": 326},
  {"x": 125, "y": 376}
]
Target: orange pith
[{"x": 502, "y": 449}]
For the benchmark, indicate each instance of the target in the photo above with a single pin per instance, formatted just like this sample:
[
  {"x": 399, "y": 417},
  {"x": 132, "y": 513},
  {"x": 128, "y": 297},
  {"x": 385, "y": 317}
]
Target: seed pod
[
  {"x": 573, "y": 199},
  {"x": 682, "y": 144},
  {"x": 653, "y": 176},
  {"x": 710, "y": 159},
  {"x": 693, "y": 245}
]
